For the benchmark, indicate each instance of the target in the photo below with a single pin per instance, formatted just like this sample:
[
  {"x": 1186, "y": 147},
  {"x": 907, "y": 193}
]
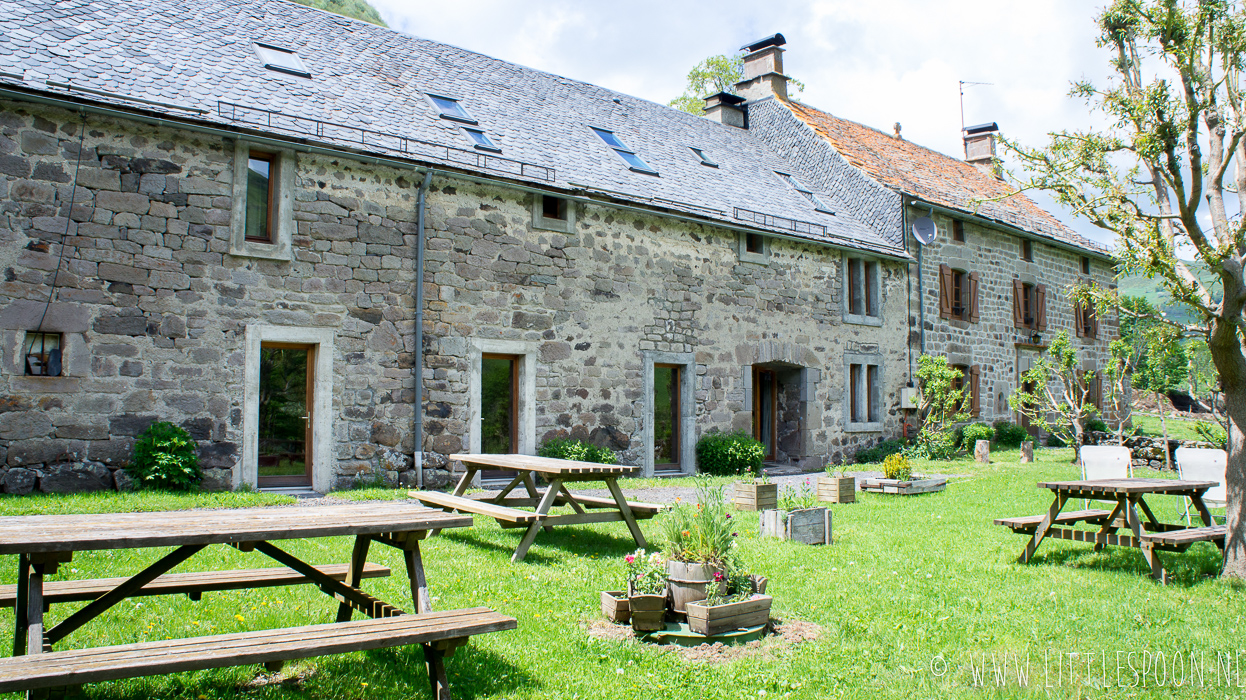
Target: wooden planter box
[
  {"x": 909, "y": 487},
  {"x": 615, "y": 607},
  {"x": 718, "y": 619},
  {"x": 648, "y": 611},
  {"x": 755, "y": 496},
  {"x": 837, "y": 489},
  {"x": 808, "y": 525}
]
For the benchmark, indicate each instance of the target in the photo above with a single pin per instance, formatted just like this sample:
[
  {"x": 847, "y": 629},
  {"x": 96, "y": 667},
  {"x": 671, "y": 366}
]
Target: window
[
  {"x": 753, "y": 247},
  {"x": 958, "y": 294},
  {"x": 705, "y": 160},
  {"x": 968, "y": 381},
  {"x": 666, "y": 416},
  {"x": 1085, "y": 266},
  {"x": 628, "y": 155},
  {"x": 554, "y": 208},
  {"x": 1086, "y": 320},
  {"x": 863, "y": 397},
  {"x": 451, "y": 109},
  {"x": 553, "y": 214},
  {"x": 800, "y": 187},
  {"x": 958, "y": 230},
  {"x": 281, "y": 60},
  {"x": 499, "y": 404},
  {"x": 1027, "y": 250},
  {"x": 481, "y": 140},
  {"x": 862, "y": 288},
  {"x": 1029, "y": 305},
  {"x": 259, "y": 197},
  {"x": 43, "y": 354},
  {"x": 754, "y": 243}
]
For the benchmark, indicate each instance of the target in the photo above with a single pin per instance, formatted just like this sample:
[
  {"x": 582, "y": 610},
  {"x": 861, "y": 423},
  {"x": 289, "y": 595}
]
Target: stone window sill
[
  {"x": 257, "y": 249},
  {"x": 875, "y": 427},
  {"x": 855, "y": 319}
]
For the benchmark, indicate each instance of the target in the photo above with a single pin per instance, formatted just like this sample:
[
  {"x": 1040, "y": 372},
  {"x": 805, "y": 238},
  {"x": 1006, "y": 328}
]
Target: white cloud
[{"x": 875, "y": 62}]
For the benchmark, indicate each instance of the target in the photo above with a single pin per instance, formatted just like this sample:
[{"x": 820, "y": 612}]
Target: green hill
[
  {"x": 1153, "y": 291},
  {"x": 359, "y": 9}
]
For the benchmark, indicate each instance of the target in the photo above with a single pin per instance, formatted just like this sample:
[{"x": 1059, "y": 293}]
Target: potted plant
[
  {"x": 699, "y": 546},
  {"x": 836, "y": 487},
  {"x": 741, "y": 605},
  {"x": 726, "y": 454},
  {"x": 798, "y": 517},
  {"x": 900, "y": 479},
  {"x": 646, "y": 590},
  {"x": 755, "y": 494},
  {"x": 614, "y": 605}
]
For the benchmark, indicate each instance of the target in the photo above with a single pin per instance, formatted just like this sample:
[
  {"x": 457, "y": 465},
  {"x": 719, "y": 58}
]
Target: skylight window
[
  {"x": 799, "y": 187},
  {"x": 481, "y": 140},
  {"x": 628, "y": 155},
  {"x": 451, "y": 109},
  {"x": 705, "y": 160},
  {"x": 281, "y": 60}
]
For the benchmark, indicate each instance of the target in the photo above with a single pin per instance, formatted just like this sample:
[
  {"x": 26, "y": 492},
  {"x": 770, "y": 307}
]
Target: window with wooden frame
[
  {"x": 863, "y": 399},
  {"x": 969, "y": 381},
  {"x": 1086, "y": 320},
  {"x": 42, "y": 352},
  {"x": 499, "y": 404},
  {"x": 1085, "y": 265},
  {"x": 260, "y": 172},
  {"x": 1093, "y": 387},
  {"x": 1027, "y": 250},
  {"x": 958, "y": 230},
  {"x": 958, "y": 294},
  {"x": 1029, "y": 305},
  {"x": 863, "y": 287},
  {"x": 754, "y": 243}
]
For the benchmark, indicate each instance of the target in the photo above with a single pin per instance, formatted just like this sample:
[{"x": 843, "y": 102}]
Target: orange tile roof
[{"x": 934, "y": 177}]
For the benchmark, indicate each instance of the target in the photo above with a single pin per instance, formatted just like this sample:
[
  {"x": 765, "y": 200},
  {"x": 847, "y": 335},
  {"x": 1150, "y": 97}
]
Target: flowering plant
[
  {"x": 701, "y": 532},
  {"x": 798, "y": 497},
  {"x": 646, "y": 573}
]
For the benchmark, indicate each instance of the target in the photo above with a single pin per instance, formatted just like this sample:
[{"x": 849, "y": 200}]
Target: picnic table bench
[
  {"x": 1148, "y": 535},
  {"x": 43, "y": 542},
  {"x": 557, "y": 472}
]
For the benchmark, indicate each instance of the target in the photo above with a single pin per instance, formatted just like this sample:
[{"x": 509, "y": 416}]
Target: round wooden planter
[{"x": 688, "y": 582}]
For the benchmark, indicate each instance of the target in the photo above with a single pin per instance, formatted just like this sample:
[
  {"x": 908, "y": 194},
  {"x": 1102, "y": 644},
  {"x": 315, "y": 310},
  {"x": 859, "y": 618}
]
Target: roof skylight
[
  {"x": 629, "y": 156},
  {"x": 451, "y": 109},
  {"x": 281, "y": 60},
  {"x": 705, "y": 160},
  {"x": 481, "y": 140},
  {"x": 796, "y": 185}
]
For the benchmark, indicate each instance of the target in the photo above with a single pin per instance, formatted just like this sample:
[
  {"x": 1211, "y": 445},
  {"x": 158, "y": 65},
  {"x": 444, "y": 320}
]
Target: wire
[{"x": 69, "y": 218}]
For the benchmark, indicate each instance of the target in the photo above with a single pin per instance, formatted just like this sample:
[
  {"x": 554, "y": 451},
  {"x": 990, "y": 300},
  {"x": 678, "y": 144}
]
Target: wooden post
[
  {"x": 982, "y": 452},
  {"x": 358, "y": 559},
  {"x": 1027, "y": 452}
]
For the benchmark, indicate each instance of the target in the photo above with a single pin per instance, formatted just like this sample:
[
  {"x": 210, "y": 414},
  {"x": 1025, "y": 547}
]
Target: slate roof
[
  {"x": 200, "y": 53},
  {"x": 936, "y": 178}
]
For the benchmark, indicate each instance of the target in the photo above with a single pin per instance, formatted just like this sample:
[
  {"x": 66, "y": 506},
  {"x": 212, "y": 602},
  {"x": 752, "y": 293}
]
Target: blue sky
[{"x": 873, "y": 61}]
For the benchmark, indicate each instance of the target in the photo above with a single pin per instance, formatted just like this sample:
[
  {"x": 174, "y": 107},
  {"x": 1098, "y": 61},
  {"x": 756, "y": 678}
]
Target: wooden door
[
  {"x": 666, "y": 417},
  {"x": 287, "y": 398},
  {"x": 499, "y": 409},
  {"x": 765, "y": 408}
]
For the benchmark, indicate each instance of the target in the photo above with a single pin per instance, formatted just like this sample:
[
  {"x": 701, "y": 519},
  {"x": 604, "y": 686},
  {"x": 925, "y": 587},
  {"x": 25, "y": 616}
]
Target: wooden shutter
[
  {"x": 1079, "y": 319},
  {"x": 1093, "y": 330},
  {"x": 945, "y": 291},
  {"x": 1040, "y": 307},
  {"x": 972, "y": 300},
  {"x": 975, "y": 397},
  {"x": 1018, "y": 308}
]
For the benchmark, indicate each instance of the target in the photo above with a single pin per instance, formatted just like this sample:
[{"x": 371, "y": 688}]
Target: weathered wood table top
[
  {"x": 22, "y": 534},
  {"x": 544, "y": 465},
  {"x": 1125, "y": 487}
]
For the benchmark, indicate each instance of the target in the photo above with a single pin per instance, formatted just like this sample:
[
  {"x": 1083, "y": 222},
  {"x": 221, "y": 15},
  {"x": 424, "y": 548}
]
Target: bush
[
  {"x": 578, "y": 450},
  {"x": 1055, "y": 441},
  {"x": 165, "y": 457},
  {"x": 975, "y": 432},
  {"x": 728, "y": 454},
  {"x": 935, "y": 445},
  {"x": 897, "y": 467},
  {"x": 1096, "y": 425},
  {"x": 1009, "y": 434},
  {"x": 1213, "y": 433},
  {"x": 958, "y": 436},
  {"x": 879, "y": 452}
]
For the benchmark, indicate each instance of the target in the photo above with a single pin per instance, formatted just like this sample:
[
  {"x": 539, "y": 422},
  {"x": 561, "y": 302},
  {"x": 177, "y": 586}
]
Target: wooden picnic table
[
  {"x": 43, "y": 542},
  {"x": 1149, "y": 535},
  {"x": 557, "y": 472}
]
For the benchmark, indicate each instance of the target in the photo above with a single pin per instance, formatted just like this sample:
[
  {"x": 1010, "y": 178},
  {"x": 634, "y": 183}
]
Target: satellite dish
[{"x": 924, "y": 230}]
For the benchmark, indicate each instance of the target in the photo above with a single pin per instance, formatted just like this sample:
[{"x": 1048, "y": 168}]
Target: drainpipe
[{"x": 419, "y": 332}]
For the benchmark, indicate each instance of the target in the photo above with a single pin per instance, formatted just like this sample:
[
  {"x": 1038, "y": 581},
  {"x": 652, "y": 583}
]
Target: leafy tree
[
  {"x": 1059, "y": 401},
  {"x": 942, "y": 406},
  {"x": 1159, "y": 174},
  {"x": 1165, "y": 368},
  {"x": 359, "y": 9},
  {"x": 714, "y": 75}
]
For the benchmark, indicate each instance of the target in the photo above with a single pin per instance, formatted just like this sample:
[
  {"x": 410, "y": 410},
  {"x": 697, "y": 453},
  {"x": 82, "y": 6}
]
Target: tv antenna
[{"x": 963, "y": 83}]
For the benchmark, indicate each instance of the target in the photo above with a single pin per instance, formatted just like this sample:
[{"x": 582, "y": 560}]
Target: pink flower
[
  {"x": 728, "y": 516},
  {"x": 718, "y": 576},
  {"x": 734, "y": 534},
  {"x": 629, "y": 558}
]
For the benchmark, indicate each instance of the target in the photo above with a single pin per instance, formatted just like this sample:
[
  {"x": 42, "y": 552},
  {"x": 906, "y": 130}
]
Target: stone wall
[{"x": 1148, "y": 451}]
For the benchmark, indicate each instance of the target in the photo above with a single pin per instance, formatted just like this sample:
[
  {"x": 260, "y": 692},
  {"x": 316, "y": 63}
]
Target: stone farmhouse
[{"x": 334, "y": 252}]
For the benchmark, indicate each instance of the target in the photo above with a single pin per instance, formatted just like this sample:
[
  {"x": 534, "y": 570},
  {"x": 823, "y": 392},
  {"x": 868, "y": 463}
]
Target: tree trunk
[
  {"x": 1235, "y": 480},
  {"x": 1163, "y": 426}
]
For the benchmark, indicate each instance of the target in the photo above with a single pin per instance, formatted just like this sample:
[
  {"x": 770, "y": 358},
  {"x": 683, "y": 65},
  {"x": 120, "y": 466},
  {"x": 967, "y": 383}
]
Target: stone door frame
[
  {"x": 687, "y": 364},
  {"x": 525, "y": 353}
]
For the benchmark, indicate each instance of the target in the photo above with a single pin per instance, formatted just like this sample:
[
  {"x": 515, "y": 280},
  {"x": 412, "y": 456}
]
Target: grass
[
  {"x": 914, "y": 597},
  {"x": 1178, "y": 428}
]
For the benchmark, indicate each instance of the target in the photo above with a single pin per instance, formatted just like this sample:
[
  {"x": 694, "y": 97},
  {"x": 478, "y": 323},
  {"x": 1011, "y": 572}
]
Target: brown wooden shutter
[
  {"x": 975, "y": 397},
  {"x": 1093, "y": 331},
  {"x": 1079, "y": 319},
  {"x": 1040, "y": 307},
  {"x": 1018, "y": 308},
  {"x": 945, "y": 291},
  {"x": 972, "y": 293}
]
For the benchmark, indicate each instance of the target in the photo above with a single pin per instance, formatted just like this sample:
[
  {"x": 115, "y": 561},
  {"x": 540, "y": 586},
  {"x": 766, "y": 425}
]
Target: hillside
[
  {"x": 1153, "y": 291},
  {"x": 359, "y": 9}
]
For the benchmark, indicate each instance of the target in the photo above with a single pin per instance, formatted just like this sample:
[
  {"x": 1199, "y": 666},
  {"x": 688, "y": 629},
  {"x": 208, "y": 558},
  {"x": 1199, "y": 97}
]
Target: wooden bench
[
  {"x": 192, "y": 584},
  {"x": 449, "y": 502},
  {"x": 269, "y": 647},
  {"x": 1180, "y": 540},
  {"x": 1028, "y": 523},
  {"x": 640, "y": 510}
]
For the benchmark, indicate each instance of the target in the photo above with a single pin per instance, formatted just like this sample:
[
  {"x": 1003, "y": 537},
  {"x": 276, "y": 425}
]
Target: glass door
[
  {"x": 499, "y": 410},
  {"x": 666, "y": 418},
  {"x": 285, "y": 426},
  {"x": 765, "y": 407}
]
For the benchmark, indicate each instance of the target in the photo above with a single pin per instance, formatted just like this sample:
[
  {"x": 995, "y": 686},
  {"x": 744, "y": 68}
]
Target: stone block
[
  {"x": 123, "y": 481},
  {"x": 24, "y": 425},
  {"x": 132, "y": 202},
  {"x": 384, "y": 434},
  {"x": 32, "y": 191},
  {"x": 217, "y": 480},
  {"x": 39, "y": 451},
  {"x": 16, "y": 166},
  {"x": 121, "y": 325},
  {"x": 221, "y": 455},
  {"x": 129, "y": 424},
  {"x": 20, "y": 482},
  {"x": 99, "y": 179},
  {"x": 128, "y": 274},
  {"x": 75, "y": 477},
  {"x": 39, "y": 144}
]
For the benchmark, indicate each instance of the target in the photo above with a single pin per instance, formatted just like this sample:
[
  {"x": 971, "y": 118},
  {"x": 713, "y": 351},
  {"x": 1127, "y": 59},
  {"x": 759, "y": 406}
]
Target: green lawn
[
  {"x": 914, "y": 597},
  {"x": 1178, "y": 428}
]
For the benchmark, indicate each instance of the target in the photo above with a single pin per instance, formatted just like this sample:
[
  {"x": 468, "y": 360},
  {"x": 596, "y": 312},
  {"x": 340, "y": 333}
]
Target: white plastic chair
[
  {"x": 1105, "y": 462},
  {"x": 1201, "y": 464}
]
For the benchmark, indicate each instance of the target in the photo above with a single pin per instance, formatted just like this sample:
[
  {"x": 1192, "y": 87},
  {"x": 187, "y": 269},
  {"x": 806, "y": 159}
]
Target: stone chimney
[
  {"x": 980, "y": 148},
  {"x": 723, "y": 107},
  {"x": 763, "y": 69}
]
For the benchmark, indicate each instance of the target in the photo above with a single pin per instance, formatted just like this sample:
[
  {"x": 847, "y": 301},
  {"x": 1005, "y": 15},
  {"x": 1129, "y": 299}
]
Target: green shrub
[
  {"x": 1055, "y": 441},
  {"x": 958, "y": 436},
  {"x": 879, "y": 452},
  {"x": 974, "y": 432},
  {"x": 165, "y": 457},
  {"x": 728, "y": 454},
  {"x": 1213, "y": 433},
  {"x": 1009, "y": 434},
  {"x": 934, "y": 445},
  {"x": 1096, "y": 425},
  {"x": 578, "y": 450},
  {"x": 897, "y": 467}
]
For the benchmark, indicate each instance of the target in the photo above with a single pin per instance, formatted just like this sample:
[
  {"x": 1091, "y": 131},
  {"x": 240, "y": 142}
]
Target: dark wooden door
[
  {"x": 286, "y": 396},
  {"x": 666, "y": 412},
  {"x": 765, "y": 408},
  {"x": 499, "y": 409}
]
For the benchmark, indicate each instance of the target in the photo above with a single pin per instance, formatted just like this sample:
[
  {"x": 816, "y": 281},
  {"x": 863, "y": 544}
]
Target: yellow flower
[{"x": 239, "y": 618}]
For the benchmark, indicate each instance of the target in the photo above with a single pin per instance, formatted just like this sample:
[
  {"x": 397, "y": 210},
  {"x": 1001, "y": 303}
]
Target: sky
[{"x": 877, "y": 62}]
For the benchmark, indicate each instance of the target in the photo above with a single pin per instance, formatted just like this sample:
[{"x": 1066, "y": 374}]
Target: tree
[
  {"x": 714, "y": 75},
  {"x": 1059, "y": 398},
  {"x": 1157, "y": 177},
  {"x": 942, "y": 406},
  {"x": 359, "y": 9},
  {"x": 1165, "y": 368}
]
